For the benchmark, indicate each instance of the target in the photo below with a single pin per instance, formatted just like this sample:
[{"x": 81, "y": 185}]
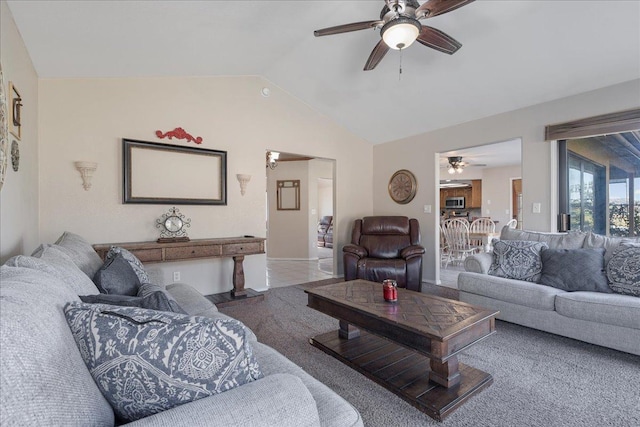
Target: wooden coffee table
[{"x": 411, "y": 346}]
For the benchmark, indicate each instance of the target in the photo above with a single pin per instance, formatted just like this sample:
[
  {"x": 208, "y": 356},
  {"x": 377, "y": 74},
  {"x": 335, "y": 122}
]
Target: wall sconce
[
  {"x": 86, "y": 170},
  {"x": 272, "y": 159},
  {"x": 243, "y": 179}
]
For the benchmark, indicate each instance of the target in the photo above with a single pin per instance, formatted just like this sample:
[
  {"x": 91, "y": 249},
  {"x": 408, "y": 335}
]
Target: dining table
[{"x": 486, "y": 237}]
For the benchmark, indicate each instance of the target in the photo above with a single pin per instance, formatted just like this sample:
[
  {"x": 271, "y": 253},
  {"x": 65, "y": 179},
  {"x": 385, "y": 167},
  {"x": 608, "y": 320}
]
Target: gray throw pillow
[
  {"x": 623, "y": 270},
  {"x": 136, "y": 264},
  {"x": 147, "y": 361},
  {"x": 517, "y": 259},
  {"x": 154, "y": 301},
  {"x": 116, "y": 276},
  {"x": 149, "y": 289},
  {"x": 54, "y": 261},
  {"x": 574, "y": 269},
  {"x": 81, "y": 252}
]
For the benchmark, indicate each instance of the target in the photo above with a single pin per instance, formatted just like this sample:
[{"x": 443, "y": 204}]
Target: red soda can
[{"x": 390, "y": 290}]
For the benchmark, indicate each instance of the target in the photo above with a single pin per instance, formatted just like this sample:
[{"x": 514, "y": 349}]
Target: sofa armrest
[
  {"x": 478, "y": 263},
  {"x": 412, "y": 251},
  {"x": 191, "y": 301},
  {"x": 358, "y": 251},
  {"x": 276, "y": 400}
]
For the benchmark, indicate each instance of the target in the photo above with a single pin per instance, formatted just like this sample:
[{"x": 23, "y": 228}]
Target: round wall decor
[
  {"x": 4, "y": 131},
  {"x": 403, "y": 186}
]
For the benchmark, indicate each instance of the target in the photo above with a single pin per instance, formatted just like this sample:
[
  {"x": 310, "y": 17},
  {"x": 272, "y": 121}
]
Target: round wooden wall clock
[{"x": 403, "y": 186}]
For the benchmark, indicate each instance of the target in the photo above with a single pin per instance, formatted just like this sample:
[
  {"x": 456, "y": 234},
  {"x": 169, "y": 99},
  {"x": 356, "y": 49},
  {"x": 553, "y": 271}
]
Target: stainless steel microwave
[{"x": 454, "y": 203}]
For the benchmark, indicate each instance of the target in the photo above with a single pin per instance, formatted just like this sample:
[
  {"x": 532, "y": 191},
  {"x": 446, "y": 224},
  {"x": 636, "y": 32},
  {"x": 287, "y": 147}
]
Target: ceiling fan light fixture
[
  {"x": 455, "y": 164},
  {"x": 401, "y": 32}
]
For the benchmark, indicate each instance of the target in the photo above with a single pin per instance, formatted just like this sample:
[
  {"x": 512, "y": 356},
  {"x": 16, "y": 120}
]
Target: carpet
[{"x": 540, "y": 379}]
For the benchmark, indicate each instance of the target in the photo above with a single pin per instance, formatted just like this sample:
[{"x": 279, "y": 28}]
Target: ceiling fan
[
  {"x": 454, "y": 164},
  {"x": 400, "y": 26}
]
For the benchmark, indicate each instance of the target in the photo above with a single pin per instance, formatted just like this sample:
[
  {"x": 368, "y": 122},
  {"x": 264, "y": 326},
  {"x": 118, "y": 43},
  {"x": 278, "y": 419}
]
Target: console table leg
[
  {"x": 238, "y": 277},
  {"x": 445, "y": 373},
  {"x": 348, "y": 331}
]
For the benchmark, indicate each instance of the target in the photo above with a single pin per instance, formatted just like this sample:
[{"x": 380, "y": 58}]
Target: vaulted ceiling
[{"x": 514, "y": 53}]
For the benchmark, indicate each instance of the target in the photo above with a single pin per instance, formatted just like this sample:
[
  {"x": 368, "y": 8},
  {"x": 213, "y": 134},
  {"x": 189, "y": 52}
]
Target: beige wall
[
  {"x": 85, "y": 119},
  {"x": 19, "y": 195},
  {"x": 419, "y": 154},
  {"x": 496, "y": 193}
]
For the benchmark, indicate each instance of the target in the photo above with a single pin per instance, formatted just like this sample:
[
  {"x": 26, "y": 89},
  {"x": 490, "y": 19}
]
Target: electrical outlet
[{"x": 176, "y": 276}]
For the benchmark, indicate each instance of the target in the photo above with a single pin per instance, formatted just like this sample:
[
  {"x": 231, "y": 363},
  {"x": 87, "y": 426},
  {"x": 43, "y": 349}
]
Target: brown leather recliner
[
  {"x": 385, "y": 247},
  {"x": 323, "y": 227}
]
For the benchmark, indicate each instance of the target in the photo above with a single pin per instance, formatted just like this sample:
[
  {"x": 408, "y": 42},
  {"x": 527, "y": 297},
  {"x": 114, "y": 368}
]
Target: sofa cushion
[
  {"x": 517, "y": 259},
  {"x": 571, "y": 240},
  {"x": 54, "y": 261},
  {"x": 612, "y": 309},
  {"x": 610, "y": 244},
  {"x": 117, "y": 277},
  {"x": 574, "y": 269},
  {"x": 279, "y": 400},
  {"x": 147, "y": 361},
  {"x": 623, "y": 270},
  {"x": 509, "y": 290},
  {"x": 150, "y": 289},
  {"x": 43, "y": 380},
  {"x": 135, "y": 263},
  {"x": 81, "y": 252}
]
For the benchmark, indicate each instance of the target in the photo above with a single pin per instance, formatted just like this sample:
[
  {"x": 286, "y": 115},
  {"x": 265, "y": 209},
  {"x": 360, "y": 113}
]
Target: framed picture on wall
[{"x": 156, "y": 173}]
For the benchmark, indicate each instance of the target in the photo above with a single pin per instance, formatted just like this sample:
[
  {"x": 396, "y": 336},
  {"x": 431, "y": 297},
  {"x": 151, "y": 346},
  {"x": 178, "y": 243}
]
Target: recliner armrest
[
  {"x": 359, "y": 251},
  {"x": 411, "y": 251}
]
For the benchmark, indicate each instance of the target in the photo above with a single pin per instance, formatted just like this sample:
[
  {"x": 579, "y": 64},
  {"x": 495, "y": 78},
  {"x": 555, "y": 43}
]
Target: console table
[{"x": 225, "y": 247}]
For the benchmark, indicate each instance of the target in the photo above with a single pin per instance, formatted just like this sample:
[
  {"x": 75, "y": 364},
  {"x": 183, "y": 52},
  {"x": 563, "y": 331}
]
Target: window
[
  {"x": 598, "y": 172},
  {"x": 600, "y": 178}
]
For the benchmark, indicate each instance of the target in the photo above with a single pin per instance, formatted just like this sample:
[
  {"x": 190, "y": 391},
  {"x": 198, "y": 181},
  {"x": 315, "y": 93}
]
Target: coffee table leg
[
  {"x": 445, "y": 373},
  {"x": 348, "y": 331}
]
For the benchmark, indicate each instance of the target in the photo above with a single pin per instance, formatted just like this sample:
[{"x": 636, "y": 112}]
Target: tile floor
[{"x": 286, "y": 273}]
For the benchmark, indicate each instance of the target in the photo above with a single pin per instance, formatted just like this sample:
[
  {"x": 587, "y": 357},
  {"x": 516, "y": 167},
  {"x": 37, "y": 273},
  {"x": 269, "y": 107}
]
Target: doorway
[
  {"x": 516, "y": 201},
  {"x": 293, "y": 254}
]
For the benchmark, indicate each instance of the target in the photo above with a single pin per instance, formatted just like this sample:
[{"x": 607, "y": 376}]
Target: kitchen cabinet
[
  {"x": 472, "y": 195},
  {"x": 474, "y": 199}
]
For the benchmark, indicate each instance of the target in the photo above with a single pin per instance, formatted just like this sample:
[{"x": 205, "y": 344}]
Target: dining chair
[
  {"x": 512, "y": 223},
  {"x": 481, "y": 225},
  {"x": 456, "y": 233}
]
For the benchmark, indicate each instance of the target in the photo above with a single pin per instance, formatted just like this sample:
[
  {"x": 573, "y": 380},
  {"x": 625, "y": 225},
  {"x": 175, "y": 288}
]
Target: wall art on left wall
[{"x": 4, "y": 131}]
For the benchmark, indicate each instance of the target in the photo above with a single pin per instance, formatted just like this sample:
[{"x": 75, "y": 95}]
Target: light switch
[
  {"x": 427, "y": 208},
  {"x": 536, "y": 208},
  {"x": 488, "y": 201}
]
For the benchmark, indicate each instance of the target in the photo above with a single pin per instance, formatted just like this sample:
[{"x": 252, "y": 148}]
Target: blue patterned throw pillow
[
  {"x": 147, "y": 361},
  {"x": 136, "y": 264},
  {"x": 623, "y": 270},
  {"x": 517, "y": 259}
]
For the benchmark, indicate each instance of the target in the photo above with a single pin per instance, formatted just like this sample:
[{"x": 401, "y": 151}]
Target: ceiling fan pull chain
[{"x": 400, "y": 70}]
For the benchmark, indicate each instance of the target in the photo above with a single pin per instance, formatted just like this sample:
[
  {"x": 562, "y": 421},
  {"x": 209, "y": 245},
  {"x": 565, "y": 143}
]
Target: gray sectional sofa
[
  {"x": 44, "y": 380},
  {"x": 607, "y": 319}
]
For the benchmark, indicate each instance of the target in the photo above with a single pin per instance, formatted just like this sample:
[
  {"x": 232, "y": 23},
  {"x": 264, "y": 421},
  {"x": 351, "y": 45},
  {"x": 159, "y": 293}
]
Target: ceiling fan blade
[
  {"x": 433, "y": 8},
  {"x": 438, "y": 40},
  {"x": 376, "y": 56},
  {"x": 354, "y": 26}
]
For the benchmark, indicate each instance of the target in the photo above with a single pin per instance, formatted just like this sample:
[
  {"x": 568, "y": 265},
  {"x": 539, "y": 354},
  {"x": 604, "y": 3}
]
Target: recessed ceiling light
[{"x": 265, "y": 92}]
